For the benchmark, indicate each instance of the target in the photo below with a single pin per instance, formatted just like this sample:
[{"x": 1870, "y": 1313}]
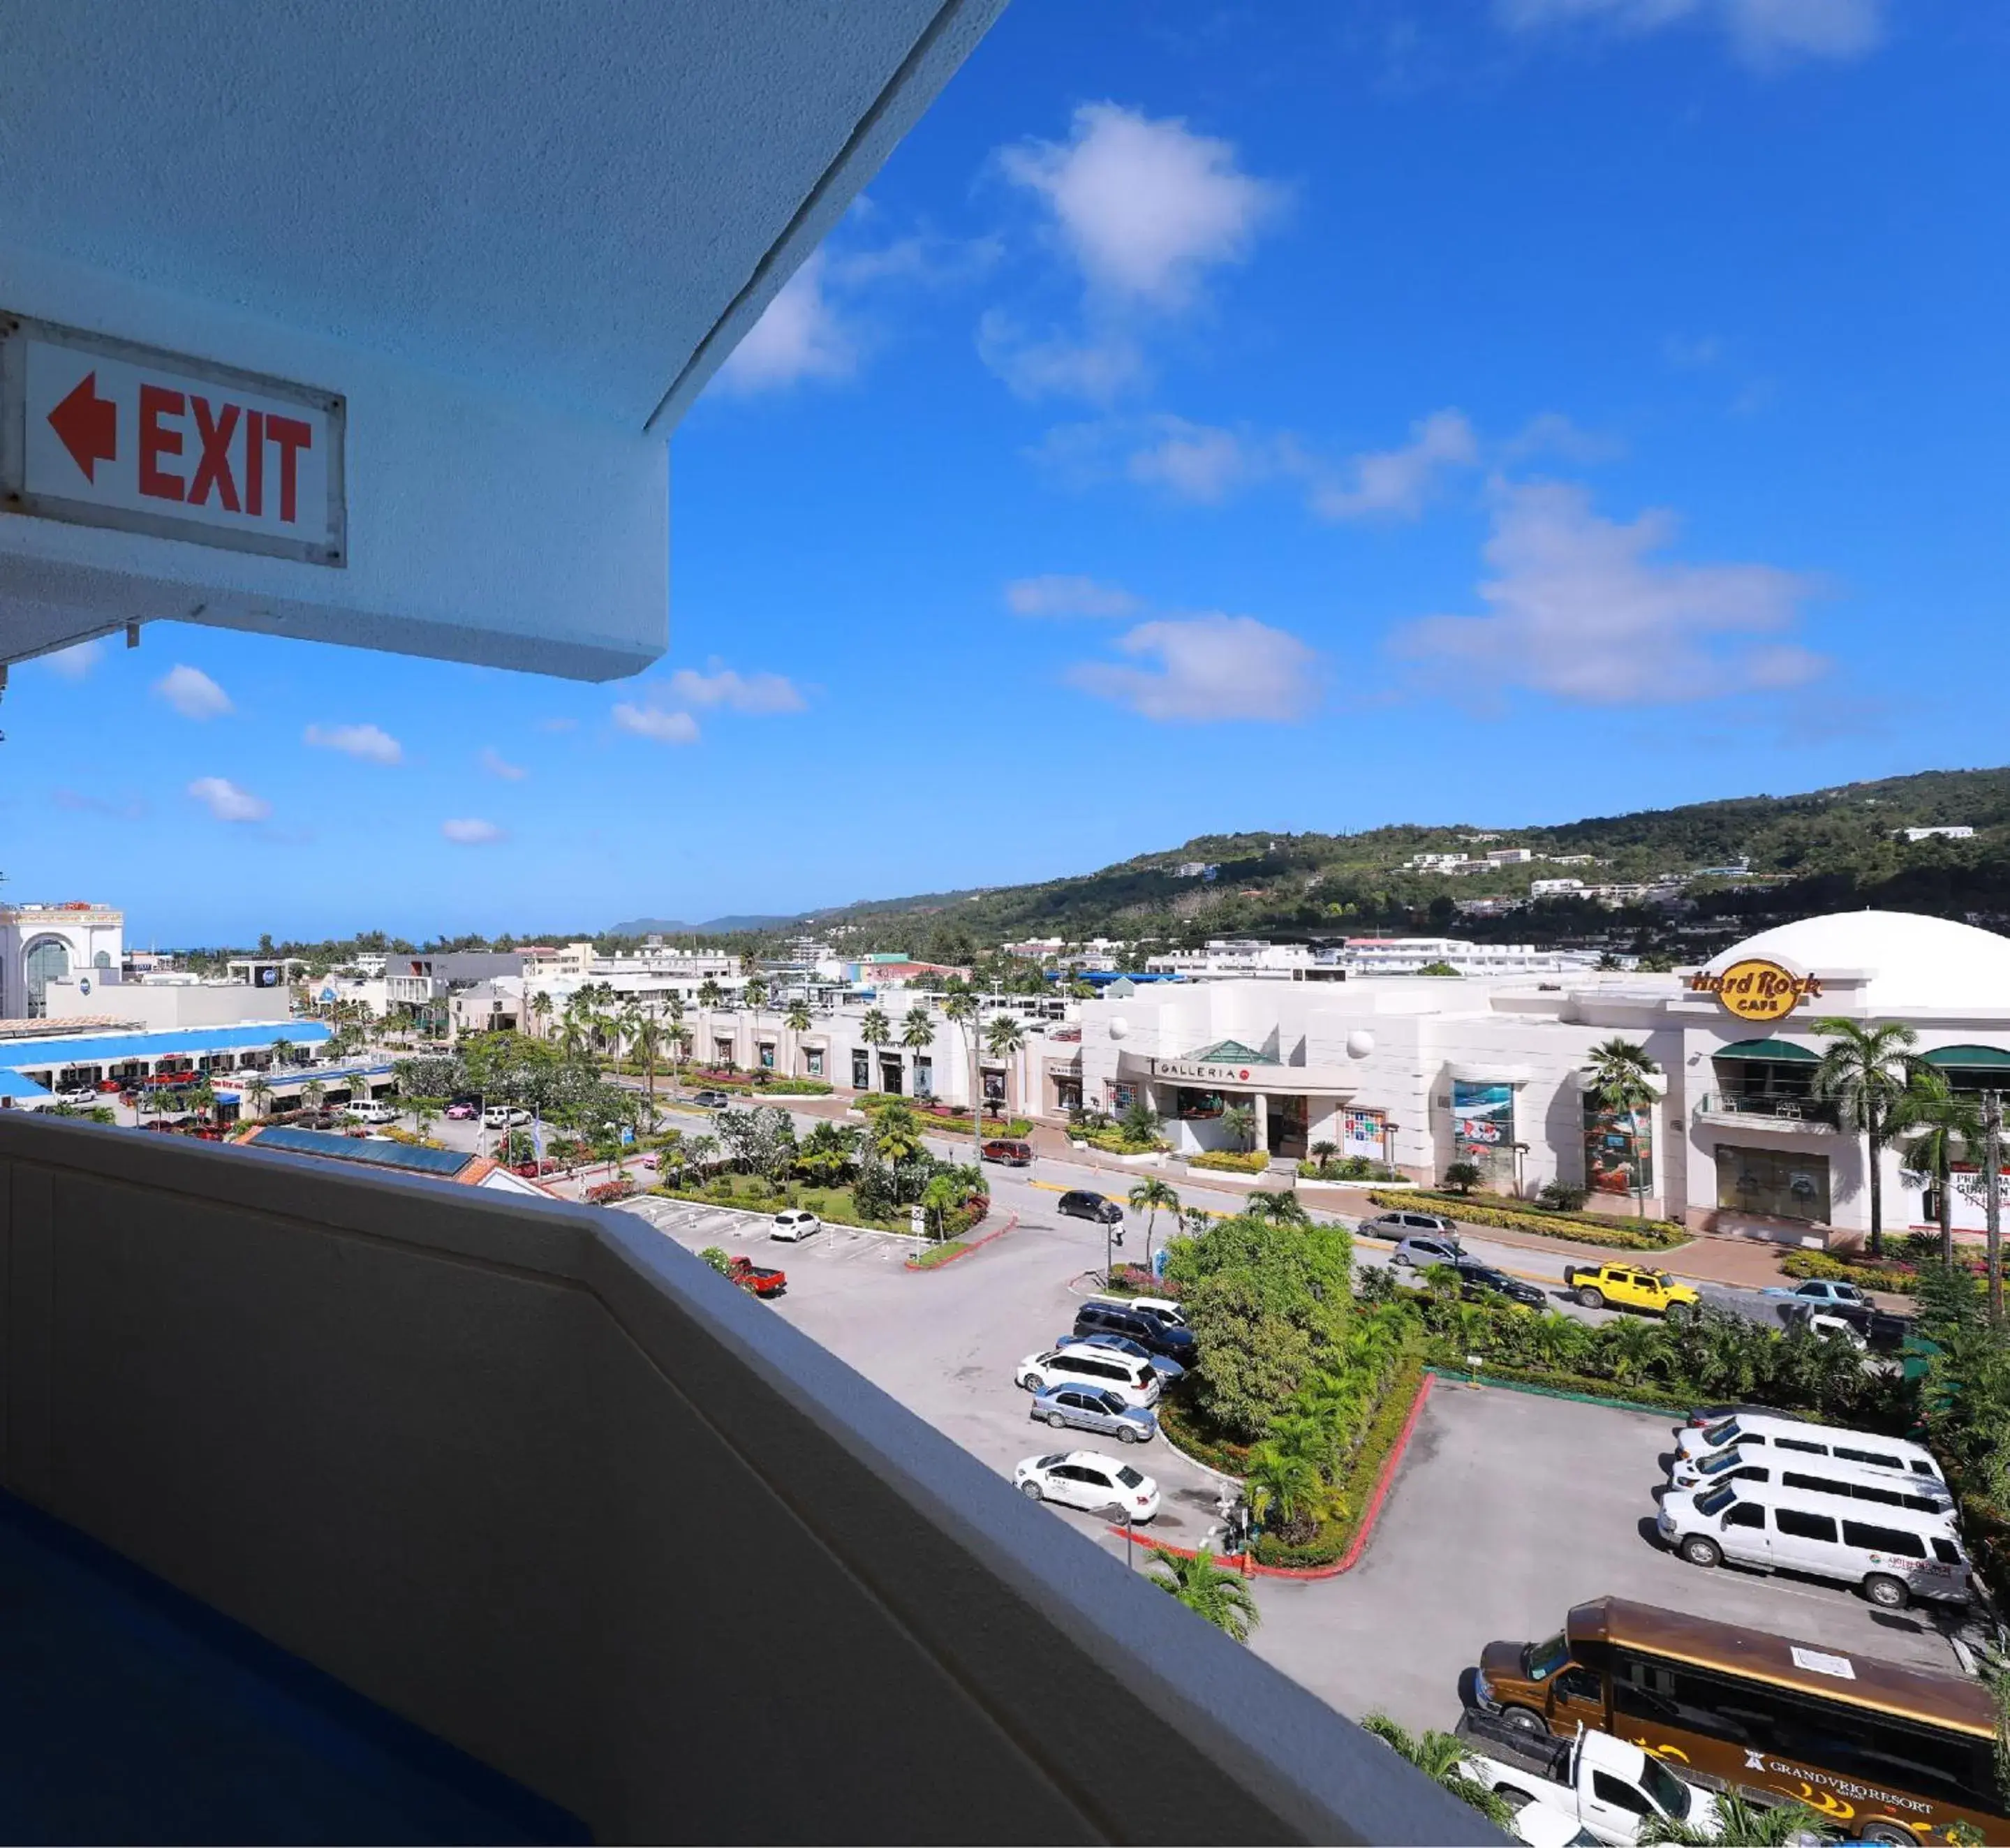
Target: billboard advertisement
[
  {"x": 1483, "y": 1128},
  {"x": 1617, "y": 1160},
  {"x": 1361, "y": 1133}
]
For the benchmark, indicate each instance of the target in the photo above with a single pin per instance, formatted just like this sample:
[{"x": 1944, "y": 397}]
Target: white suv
[
  {"x": 499, "y": 1116},
  {"x": 1135, "y": 1381},
  {"x": 367, "y": 1109},
  {"x": 1082, "y": 1479}
]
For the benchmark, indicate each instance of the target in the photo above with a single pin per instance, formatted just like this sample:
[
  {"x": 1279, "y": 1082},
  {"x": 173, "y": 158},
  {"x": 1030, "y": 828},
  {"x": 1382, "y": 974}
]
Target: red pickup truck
[{"x": 750, "y": 1276}]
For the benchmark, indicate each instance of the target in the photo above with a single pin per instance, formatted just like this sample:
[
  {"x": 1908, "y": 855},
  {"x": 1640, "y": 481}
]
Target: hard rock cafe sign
[{"x": 1757, "y": 989}]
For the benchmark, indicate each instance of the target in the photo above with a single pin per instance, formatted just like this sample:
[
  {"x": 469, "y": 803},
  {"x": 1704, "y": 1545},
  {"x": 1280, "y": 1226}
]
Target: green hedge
[
  {"x": 1114, "y": 1141},
  {"x": 1230, "y": 1161},
  {"x": 1357, "y": 1486},
  {"x": 1651, "y": 1235},
  {"x": 1901, "y": 1280},
  {"x": 1183, "y": 1430},
  {"x": 1354, "y": 1168},
  {"x": 1446, "y": 1359}
]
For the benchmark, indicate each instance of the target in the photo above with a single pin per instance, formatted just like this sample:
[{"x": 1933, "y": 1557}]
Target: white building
[
  {"x": 1225, "y": 959},
  {"x": 40, "y": 944},
  {"x": 1509, "y": 856},
  {"x": 1407, "y": 955},
  {"x": 1555, "y": 888},
  {"x": 1422, "y": 1072},
  {"x": 1912, "y": 834}
]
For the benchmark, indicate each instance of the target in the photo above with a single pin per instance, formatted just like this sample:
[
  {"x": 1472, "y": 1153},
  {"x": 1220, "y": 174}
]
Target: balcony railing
[
  {"x": 533, "y": 1478},
  {"x": 1797, "y": 1113}
]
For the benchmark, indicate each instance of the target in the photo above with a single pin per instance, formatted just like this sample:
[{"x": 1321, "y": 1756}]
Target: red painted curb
[
  {"x": 974, "y": 1245},
  {"x": 1245, "y": 1563}
]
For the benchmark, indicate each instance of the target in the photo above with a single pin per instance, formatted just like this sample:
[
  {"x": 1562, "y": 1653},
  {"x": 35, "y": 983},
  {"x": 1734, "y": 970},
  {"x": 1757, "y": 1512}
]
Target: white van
[
  {"x": 1894, "y": 1554},
  {"x": 1818, "y": 1475},
  {"x": 1755, "y": 1431},
  {"x": 1135, "y": 1382}
]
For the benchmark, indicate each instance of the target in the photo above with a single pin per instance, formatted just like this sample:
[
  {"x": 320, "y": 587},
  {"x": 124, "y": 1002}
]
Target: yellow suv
[{"x": 1620, "y": 1286}]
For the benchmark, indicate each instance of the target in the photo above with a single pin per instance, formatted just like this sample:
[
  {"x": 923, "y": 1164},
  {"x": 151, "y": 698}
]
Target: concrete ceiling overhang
[{"x": 544, "y": 225}]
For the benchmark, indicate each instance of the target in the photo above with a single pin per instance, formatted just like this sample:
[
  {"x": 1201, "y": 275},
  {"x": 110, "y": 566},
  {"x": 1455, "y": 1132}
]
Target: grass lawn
[
  {"x": 939, "y": 1254},
  {"x": 832, "y": 1204}
]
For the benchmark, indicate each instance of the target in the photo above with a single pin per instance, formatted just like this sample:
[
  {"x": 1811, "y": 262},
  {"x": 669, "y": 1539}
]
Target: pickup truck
[
  {"x": 1628, "y": 1286},
  {"x": 1591, "y": 1788},
  {"x": 753, "y": 1277}
]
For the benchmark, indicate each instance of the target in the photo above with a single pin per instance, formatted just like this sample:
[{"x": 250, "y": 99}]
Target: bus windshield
[
  {"x": 1718, "y": 1499},
  {"x": 1543, "y": 1659},
  {"x": 1716, "y": 1436},
  {"x": 1723, "y": 1459}
]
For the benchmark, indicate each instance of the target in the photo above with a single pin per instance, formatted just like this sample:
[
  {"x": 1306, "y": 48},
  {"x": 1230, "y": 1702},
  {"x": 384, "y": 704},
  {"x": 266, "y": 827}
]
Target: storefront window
[
  {"x": 862, "y": 1072},
  {"x": 768, "y": 1055},
  {"x": 994, "y": 1087},
  {"x": 721, "y": 1052},
  {"x": 1067, "y": 1094},
  {"x": 1122, "y": 1097},
  {"x": 1192, "y": 1105},
  {"x": 1619, "y": 1151},
  {"x": 925, "y": 1077},
  {"x": 1364, "y": 1132},
  {"x": 813, "y": 1060},
  {"x": 1484, "y": 1129},
  {"x": 1776, "y": 1183}
]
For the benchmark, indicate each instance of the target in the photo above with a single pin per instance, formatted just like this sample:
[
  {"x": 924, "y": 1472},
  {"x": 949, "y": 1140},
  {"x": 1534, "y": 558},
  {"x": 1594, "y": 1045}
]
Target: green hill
[{"x": 1831, "y": 849}]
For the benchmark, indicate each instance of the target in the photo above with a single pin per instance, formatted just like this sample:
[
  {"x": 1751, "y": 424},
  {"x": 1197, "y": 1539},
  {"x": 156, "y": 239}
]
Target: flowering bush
[{"x": 608, "y": 1191}]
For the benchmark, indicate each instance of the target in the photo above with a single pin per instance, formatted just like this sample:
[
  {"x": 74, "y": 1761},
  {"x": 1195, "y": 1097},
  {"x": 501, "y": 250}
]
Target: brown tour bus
[{"x": 1886, "y": 1753}]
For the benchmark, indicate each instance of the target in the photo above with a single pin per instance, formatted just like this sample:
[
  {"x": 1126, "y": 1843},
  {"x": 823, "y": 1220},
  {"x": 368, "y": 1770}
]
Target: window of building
[
  {"x": 1778, "y": 1183},
  {"x": 768, "y": 1055},
  {"x": 924, "y": 1077},
  {"x": 1067, "y": 1094},
  {"x": 1618, "y": 1149},
  {"x": 862, "y": 1070},
  {"x": 813, "y": 1060},
  {"x": 1190, "y": 1105},
  {"x": 48, "y": 960}
]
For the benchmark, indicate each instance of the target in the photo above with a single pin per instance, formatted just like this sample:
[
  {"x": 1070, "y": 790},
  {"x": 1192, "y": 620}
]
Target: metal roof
[
  {"x": 105, "y": 1048},
  {"x": 331, "y": 1145},
  {"x": 13, "y": 1084}
]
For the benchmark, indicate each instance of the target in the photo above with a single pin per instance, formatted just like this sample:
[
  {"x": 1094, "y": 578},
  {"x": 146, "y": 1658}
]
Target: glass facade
[
  {"x": 1780, "y": 1183},
  {"x": 1483, "y": 1129},
  {"x": 1192, "y": 1105},
  {"x": 1618, "y": 1151}
]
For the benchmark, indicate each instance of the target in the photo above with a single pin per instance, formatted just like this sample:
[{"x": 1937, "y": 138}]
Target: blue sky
[{"x": 1213, "y": 418}]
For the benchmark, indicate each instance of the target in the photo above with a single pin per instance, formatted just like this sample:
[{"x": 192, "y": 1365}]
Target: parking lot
[{"x": 1507, "y": 1509}]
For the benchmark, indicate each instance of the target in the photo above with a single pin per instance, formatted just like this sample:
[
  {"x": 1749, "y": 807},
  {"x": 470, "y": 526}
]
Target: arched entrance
[{"x": 45, "y": 960}]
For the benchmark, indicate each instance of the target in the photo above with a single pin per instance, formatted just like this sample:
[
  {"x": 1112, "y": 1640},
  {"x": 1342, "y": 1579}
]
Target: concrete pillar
[{"x": 1261, "y": 1104}]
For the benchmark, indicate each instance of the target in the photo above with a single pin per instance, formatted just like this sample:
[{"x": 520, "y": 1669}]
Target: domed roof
[{"x": 1930, "y": 964}]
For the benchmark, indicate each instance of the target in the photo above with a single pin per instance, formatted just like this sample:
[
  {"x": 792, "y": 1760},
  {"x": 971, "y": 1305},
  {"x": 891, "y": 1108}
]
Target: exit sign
[{"x": 99, "y": 431}]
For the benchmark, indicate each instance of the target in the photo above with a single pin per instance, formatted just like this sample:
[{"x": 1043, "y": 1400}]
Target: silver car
[
  {"x": 1420, "y": 1250},
  {"x": 1094, "y": 1409}
]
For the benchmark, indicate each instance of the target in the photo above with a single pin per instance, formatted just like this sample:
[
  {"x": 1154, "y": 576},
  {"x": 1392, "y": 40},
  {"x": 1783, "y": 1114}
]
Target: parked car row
[
  {"x": 1779, "y": 1493},
  {"x": 1432, "y": 1240},
  {"x": 1107, "y": 1377}
]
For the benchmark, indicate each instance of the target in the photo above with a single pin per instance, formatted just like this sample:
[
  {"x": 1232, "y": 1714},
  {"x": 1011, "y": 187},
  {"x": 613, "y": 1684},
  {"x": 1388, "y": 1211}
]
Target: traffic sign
[{"x": 101, "y": 432}]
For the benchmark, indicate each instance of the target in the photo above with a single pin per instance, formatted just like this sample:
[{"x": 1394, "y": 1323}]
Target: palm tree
[
  {"x": 1238, "y": 1121},
  {"x": 1005, "y": 1038},
  {"x": 1281, "y": 1208},
  {"x": 873, "y": 1030},
  {"x": 257, "y": 1093},
  {"x": 709, "y": 994},
  {"x": 1741, "y": 1823},
  {"x": 755, "y": 995},
  {"x": 1935, "y": 1124},
  {"x": 938, "y": 1196},
  {"x": 1212, "y": 1592},
  {"x": 1147, "y": 1197},
  {"x": 918, "y": 1033},
  {"x": 1442, "y": 1758},
  {"x": 1283, "y": 1478},
  {"x": 798, "y": 1021},
  {"x": 1323, "y": 1152},
  {"x": 541, "y": 1011},
  {"x": 1618, "y": 1075},
  {"x": 896, "y": 1133},
  {"x": 646, "y": 1041},
  {"x": 1862, "y": 1071},
  {"x": 312, "y": 1093},
  {"x": 283, "y": 1051}
]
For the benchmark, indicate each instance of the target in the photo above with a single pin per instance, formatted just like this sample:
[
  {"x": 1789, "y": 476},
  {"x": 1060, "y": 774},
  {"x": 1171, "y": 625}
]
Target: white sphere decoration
[
  {"x": 1360, "y": 1043},
  {"x": 1119, "y": 1028}
]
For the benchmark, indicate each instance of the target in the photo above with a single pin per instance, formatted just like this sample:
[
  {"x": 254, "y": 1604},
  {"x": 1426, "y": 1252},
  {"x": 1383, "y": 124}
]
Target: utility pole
[{"x": 1992, "y": 1155}]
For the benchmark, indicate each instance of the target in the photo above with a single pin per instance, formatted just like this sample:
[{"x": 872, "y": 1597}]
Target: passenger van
[
  {"x": 1819, "y": 1475},
  {"x": 1135, "y": 1382},
  {"x": 1894, "y": 1554},
  {"x": 1755, "y": 1431}
]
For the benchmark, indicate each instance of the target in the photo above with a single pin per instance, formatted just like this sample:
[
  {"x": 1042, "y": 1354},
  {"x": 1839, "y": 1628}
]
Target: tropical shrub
[
  {"x": 608, "y": 1191},
  {"x": 1233, "y": 1162},
  {"x": 1900, "y": 1279},
  {"x": 1563, "y": 1197},
  {"x": 1354, "y": 1167}
]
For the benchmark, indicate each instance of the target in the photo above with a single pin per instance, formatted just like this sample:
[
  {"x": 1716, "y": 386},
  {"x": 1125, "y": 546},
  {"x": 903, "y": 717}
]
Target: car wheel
[
  {"x": 1030, "y": 1491},
  {"x": 1676, "y": 1312},
  {"x": 1128, "y": 1434},
  {"x": 1888, "y": 1831},
  {"x": 1056, "y": 1420},
  {"x": 1523, "y": 1720},
  {"x": 1029, "y": 1382},
  {"x": 1114, "y": 1514},
  {"x": 1699, "y": 1550},
  {"x": 1887, "y": 1592},
  {"x": 1591, "y": 1298}
]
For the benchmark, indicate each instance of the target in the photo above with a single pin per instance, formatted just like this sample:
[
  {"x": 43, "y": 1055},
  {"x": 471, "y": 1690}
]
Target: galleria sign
[
  {"x": 1757, "y": 989},
  {"x": 1207, "y": 1074}
]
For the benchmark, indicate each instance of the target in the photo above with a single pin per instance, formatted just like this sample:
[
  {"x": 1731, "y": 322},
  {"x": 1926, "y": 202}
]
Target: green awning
[
  {"x": 1969, "y": 1058},
  {"x": 1779, "y": 1050}
]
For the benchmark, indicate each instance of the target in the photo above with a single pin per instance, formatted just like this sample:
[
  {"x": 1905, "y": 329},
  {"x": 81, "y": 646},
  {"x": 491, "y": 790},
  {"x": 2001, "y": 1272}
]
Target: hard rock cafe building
[{"x": 1420, "y": 1072}]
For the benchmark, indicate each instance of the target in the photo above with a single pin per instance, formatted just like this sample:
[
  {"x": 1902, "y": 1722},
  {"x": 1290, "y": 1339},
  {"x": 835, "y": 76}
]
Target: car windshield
[
  {"x": 1722, "y": 1459},
  {"x": 1664, "y": 1279},
  {"x": 1129, "y": 1477},
  {"x": 1109, "y": 1402},
  {"x": 1716, "y": 1436},
  {"x": 1716, "y": 1501},
  {"x": 1047, "y": 1463},
  {"x": 1542, "y": 1660},
  {"x": 1667, "y": 1790}
]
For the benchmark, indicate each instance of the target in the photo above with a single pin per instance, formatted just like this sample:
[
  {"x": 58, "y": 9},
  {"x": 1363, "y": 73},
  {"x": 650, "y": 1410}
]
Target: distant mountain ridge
[{"x": 715, "y": 927}]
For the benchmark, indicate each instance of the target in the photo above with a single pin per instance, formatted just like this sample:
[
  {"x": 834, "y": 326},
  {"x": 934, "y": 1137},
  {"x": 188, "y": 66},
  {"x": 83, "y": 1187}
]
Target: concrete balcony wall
[{"x": 530, "y": 1477}]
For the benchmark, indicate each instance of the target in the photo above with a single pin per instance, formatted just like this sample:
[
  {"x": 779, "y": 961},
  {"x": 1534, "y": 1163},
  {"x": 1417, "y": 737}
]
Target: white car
[
  {"x": 77, "y": 1094},
  {"x": 366, "y": 1110},
  {"x": 499, "y": 1116},
  {"x": 1163, "y": 1307},
  {"x": 795, "y": 1223},
  {"x": 1132, "y": 1378},
  {"x": 1082, "y": 1479}
]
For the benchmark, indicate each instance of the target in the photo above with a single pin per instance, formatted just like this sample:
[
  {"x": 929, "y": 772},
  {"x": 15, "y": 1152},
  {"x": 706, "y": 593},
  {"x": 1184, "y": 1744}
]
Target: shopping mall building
[{"x": 1421, "y": 1072}]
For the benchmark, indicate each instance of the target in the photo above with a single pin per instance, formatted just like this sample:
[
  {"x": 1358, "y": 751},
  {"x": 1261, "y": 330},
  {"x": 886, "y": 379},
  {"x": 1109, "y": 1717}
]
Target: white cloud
[
  {"x": 1101, "y": 367},
  {"x": 800, "y": 336},
  {"x": 497, "y": 764},
  {"x": 1058, "y": 595},
  {"x": 1394, "y": 484},
  {"x": 226, "y": 802},
  {"x": 365, "y": 742},
  {"x": 73, "y": 663},
  {"x": 559, "y": 724},
  {"x": 1145, "y": 207},
  {"x": 1197, "y": 461},
  {"x": 192, "y": 693},
  {"x": 1763, "y": 33},
  {"x": 760, "y": 693},
  {"x": 652, "y": 722},
  {"x": 1582, "y": 609},
  {"x": 467, "y": 831},
  {"x": 1207, "y": 669}
]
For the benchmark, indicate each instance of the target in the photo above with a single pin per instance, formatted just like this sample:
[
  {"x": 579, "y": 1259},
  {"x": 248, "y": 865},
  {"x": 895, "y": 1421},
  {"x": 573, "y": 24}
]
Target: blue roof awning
[
  {"x": 21, "y": 1090},
  {"x": 107, "y": 1049}
]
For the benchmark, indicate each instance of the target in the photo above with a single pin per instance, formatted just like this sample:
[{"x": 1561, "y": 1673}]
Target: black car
[
  {"x": 1154, "y": 1336},
  {"x": 1079, "y": 1203},
  {"x": 1476, "y": 1280}
]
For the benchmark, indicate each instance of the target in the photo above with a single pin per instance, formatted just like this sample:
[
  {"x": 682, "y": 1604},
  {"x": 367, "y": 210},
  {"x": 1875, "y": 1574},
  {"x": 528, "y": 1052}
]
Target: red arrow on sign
[{"x": 88, "y": 425}]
